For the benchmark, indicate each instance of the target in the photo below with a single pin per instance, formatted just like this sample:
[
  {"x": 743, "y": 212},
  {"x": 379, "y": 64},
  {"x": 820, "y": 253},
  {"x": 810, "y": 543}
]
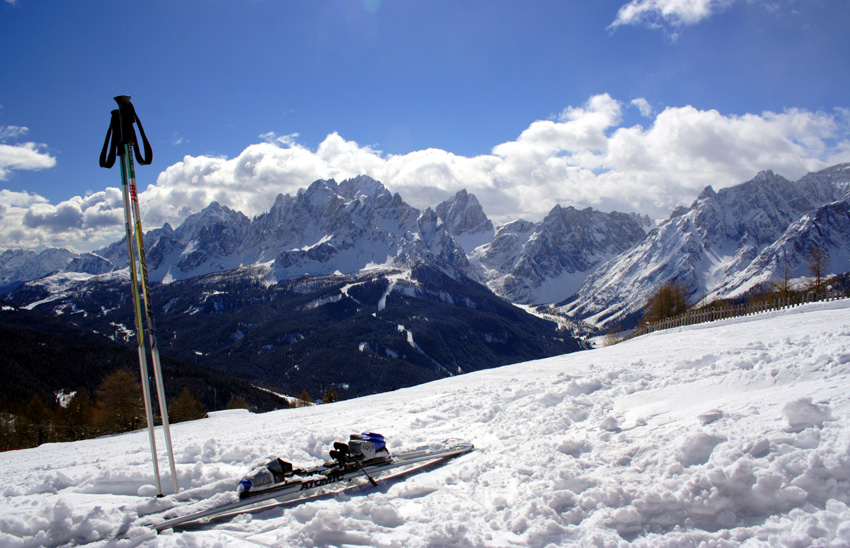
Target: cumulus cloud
[
  {"x": 584, "y": 157},
  {"x": 29, "y": 220},
  {"x": 21, "y": 156}
]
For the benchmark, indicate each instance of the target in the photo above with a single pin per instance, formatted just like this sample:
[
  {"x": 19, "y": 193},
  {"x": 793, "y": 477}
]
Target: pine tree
[
  {"x": 330, "y": 396},
  {"x": 76, "y": 421},
  {"x": 9, "y": 438},
  {"x": 39, "y": 421}
]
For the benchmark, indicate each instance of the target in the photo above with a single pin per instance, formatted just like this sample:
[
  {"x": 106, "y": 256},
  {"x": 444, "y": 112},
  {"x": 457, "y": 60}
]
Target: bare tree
[
  {"x": 670, "y": 300},
  {"x": 818, "y": 261},
  {"x": 782, "y": 286}
]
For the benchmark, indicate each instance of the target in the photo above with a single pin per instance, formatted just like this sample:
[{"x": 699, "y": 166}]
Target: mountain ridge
[
  {"x": 708, "y": 245},
  {"x": 596, "y": 266}
]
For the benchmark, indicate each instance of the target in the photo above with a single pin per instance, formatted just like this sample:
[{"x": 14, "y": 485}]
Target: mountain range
[
  {"x": 357, "y": 226},
  {"x": 725, "y": 244},
  {"x": 343, "y": 285},
  {"x": 352, "y": 263}
]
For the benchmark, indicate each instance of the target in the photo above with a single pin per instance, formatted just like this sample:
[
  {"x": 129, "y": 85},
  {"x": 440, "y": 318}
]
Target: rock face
[
  {"x": 465, "y": 220},
  {"x": 547, "y": 262},
  {"x": 725, "y": 243},
  {"x": 359, "y": 226},
  {"x": 348, "y": 228}
]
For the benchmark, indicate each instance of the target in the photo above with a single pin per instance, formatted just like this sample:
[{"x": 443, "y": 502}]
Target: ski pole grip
[
  {"x": 127, "y": 134},
  {"x": 127, "y": 116}
]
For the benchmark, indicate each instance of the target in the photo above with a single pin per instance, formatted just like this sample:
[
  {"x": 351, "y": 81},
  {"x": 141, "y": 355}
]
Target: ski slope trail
[{"x": 735, "y": 433}]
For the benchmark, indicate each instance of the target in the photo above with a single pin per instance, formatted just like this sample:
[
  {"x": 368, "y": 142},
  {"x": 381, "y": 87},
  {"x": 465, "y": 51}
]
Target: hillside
[
  {"x": 726, "y": 434},
  {"x": 43, "y": 354}
]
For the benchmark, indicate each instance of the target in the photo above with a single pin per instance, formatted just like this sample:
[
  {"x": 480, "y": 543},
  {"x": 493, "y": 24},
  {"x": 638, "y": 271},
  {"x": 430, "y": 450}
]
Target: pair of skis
[
  {"x": 298, "y": 482},
  {"x": 124, "y": 144}
]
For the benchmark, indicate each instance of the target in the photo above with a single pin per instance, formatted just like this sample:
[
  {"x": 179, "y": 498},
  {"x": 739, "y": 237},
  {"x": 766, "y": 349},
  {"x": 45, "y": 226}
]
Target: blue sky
[{"x": 629, "y": 106}]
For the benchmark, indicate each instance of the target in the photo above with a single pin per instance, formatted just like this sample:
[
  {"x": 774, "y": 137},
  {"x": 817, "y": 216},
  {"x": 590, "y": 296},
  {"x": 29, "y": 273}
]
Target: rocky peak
[
  {"x": 548, "y": 261},
  {"x": 363, "y": 188},
  {"x": 212, "y": 219},
  {"x": 465, "y": 220}
]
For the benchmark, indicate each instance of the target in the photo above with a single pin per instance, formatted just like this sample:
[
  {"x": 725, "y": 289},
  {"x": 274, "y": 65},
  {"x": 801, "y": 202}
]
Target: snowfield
[{"x": 735, "y": 433}]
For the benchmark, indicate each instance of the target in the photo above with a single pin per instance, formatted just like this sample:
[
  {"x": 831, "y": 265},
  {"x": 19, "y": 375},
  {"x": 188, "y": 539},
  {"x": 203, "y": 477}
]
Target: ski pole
[
  {"x": 157, "y": 367},
  {"x": 115, "y": 131},
  {"x": 123, "y": 139}
]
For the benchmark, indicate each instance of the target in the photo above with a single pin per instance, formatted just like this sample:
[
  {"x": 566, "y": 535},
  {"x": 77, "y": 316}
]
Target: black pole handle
[{"x": 121, "y": 133}]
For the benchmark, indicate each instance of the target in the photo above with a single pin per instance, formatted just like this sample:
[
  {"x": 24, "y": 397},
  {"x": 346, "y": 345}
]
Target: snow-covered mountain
[
  {"x": 827, "y": 228},
  {"x": 465, "y": 220},
  {"x": 327, "y": 228},
  {"x": 721, "y": 435},
  {"x": 598, "y": 266},
  {"x": 21, "y": 265},
  {"x": 358, "y": 226},
  {"x": 546, "y": 262},
  {"x": 724, "y": 243}
]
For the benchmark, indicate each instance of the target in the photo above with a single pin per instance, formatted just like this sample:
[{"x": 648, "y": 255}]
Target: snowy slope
[{"x": 727, "y": 434}]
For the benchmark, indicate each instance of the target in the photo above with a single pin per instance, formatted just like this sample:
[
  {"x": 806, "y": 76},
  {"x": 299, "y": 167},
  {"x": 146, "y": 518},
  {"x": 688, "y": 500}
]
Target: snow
[{"x": 735, "y": 433}]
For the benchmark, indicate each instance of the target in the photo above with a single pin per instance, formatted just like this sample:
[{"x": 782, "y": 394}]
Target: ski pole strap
[
  {"x": 148, "y": 158},
  {"x": 107, "y": 154},
  {"x": 121, "y": 132}
]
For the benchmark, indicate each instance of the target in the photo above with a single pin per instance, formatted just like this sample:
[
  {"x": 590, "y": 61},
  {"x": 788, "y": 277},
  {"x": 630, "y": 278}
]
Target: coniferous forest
[{"x": 63, "y": 384}]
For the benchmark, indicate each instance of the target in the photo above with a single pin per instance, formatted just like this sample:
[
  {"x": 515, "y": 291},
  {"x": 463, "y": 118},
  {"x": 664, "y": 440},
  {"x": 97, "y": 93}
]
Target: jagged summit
[
  {"x": 546, "y": 262},
  {"x": 466, "y": 221}
]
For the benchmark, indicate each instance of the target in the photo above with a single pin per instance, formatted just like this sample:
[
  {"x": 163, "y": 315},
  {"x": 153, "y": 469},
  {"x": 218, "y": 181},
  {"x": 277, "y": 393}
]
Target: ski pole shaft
[
  {"x": 157, "y": 366},
  {"x": 137, "y": 310},
  {"x": 120, "y": 141}
]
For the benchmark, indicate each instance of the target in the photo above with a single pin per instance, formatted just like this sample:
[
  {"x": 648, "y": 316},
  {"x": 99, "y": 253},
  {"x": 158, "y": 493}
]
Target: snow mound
[{"x": 727, "y": 434}]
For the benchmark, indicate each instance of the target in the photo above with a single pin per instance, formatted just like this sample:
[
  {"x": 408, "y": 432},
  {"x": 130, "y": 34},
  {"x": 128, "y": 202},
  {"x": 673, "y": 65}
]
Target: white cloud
[
  {"x": 12, "y": 132},
  {"x": 677, "y": 13},
  {"x": 643, "y": 106},
  {"x": 20, "y": 199},
  {"x": 23, "y": 156},
  {"x": 586, "y": 157}
]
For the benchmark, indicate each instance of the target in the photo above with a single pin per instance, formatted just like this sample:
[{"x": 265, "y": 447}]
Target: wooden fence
[{"x": 712, "y": 313}]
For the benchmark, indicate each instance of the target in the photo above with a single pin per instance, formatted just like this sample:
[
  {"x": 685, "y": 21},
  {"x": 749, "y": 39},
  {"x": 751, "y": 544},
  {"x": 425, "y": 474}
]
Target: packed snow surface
[{"x": 735, "y": 433}]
